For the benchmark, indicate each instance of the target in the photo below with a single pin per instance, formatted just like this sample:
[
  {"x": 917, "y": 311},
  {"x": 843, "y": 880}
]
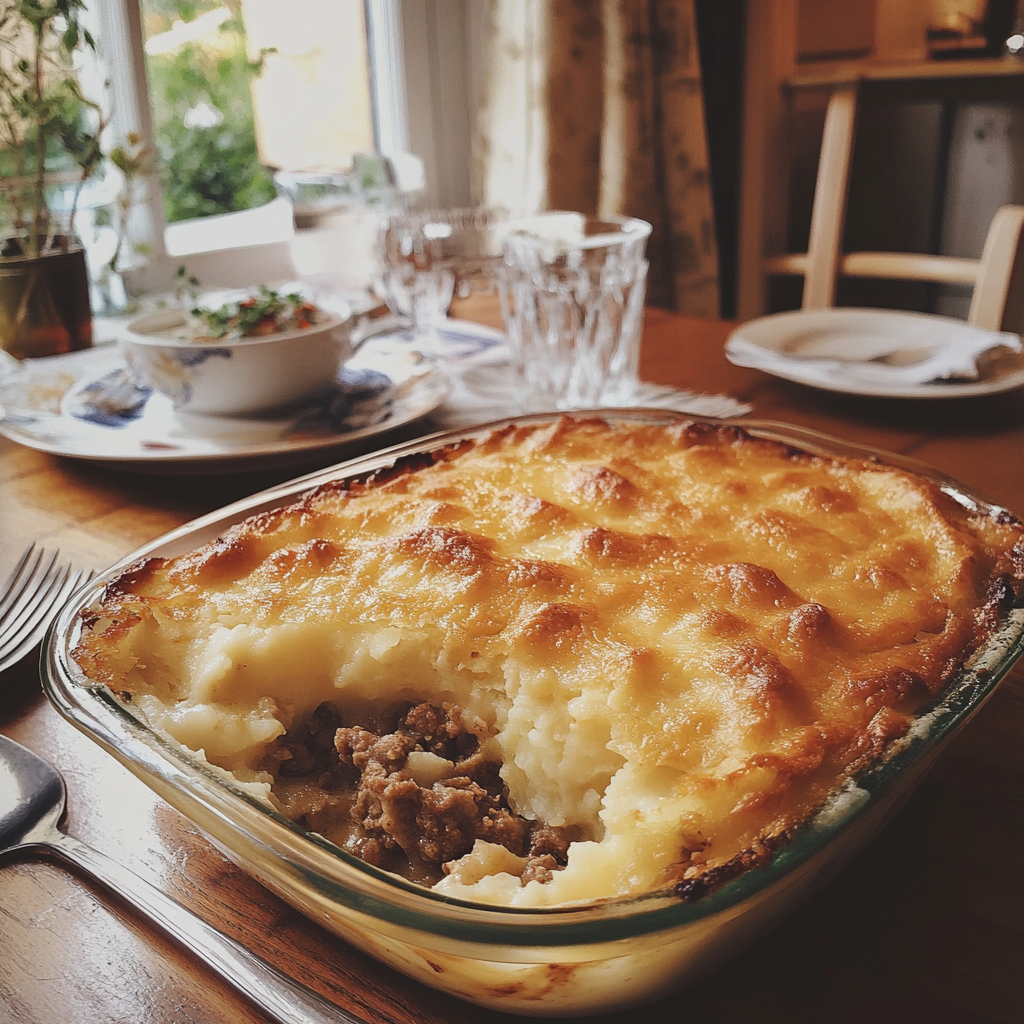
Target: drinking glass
[
  {"x": 425, "y": 257},
  {"x": 572, "y": 292}
]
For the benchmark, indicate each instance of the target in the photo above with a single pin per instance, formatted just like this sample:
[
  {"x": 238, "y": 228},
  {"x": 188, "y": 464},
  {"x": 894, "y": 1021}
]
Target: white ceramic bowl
[{"x": 239, "y": 376}]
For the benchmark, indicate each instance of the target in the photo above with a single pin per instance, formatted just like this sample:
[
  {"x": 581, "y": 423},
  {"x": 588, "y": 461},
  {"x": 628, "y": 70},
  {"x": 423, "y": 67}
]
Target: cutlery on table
[
  {"x": 30, "y": 597},
  {"x": 32, "y": 799}
]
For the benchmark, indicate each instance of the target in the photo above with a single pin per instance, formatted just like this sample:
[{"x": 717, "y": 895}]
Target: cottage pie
[{"x": 568, "y": 661}]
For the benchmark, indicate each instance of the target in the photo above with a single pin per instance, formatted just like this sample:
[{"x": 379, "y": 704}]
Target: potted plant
[{"x": 49, "y": 146}]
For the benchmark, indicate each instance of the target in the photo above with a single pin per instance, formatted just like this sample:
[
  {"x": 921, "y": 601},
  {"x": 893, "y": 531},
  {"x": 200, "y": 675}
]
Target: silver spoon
[{"x": 32, "y": 802}]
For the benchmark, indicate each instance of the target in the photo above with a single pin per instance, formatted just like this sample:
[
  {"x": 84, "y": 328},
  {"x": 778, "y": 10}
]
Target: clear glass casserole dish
[{"x": 559, "y": 961}]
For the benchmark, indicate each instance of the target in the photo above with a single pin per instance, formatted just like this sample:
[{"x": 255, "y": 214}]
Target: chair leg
[{"x": 996, "y": 269}]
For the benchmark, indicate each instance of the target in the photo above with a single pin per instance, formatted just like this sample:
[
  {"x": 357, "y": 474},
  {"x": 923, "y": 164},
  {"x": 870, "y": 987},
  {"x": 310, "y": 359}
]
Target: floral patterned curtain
[{"x": 597, "y": 106}]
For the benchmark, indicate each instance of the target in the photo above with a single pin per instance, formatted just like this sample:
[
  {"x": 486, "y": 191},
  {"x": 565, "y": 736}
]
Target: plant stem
[
  {"x": 87, "y": 165},
  {"x": 39, "y": 214}
]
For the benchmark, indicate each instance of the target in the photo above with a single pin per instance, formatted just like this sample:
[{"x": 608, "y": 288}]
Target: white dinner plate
[
  {"x": 85, "y": 405},
  {"x": 873, "y": 351}
]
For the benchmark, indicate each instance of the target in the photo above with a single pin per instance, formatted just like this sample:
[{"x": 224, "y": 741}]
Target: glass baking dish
[{"x": 559, "y": 961}]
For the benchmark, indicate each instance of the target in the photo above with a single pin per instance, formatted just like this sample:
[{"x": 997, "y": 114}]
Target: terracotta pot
[{"x": 44, "y": 300}]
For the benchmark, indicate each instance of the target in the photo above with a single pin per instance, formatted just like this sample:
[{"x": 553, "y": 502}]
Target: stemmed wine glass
[{"x": 427, "y": 256}]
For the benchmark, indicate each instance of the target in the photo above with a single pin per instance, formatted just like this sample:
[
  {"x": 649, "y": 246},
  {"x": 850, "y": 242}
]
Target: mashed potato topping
[{"x": 568, "y": 661}]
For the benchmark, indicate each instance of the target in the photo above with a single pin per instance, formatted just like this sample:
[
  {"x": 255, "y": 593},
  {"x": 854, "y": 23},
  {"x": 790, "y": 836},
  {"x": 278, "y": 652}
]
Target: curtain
[{"x": 597, "y": 106}]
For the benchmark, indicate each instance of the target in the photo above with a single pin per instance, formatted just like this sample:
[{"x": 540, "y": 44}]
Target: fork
[{"x": 33, "y": 592}]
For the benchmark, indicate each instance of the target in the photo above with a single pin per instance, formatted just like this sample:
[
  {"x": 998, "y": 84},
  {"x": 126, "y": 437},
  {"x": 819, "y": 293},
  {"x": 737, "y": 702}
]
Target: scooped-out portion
[
  {"x": 568, "y": 661},
  {"x": 413, "y": 797}
]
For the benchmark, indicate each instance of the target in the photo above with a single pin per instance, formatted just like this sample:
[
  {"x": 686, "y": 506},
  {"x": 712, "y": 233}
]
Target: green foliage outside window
[{"x": 212, "y": 166}]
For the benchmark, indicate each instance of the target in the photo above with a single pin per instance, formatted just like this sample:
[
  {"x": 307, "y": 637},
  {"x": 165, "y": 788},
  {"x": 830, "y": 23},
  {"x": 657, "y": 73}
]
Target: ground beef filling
[{"x": 407, "y": 794}]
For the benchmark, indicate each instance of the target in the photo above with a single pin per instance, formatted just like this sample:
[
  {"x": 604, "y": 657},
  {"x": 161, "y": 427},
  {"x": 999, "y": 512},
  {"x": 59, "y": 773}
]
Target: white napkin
[
  {"x": 876, "y": 359},
  {"x": 484, "y": 391}
]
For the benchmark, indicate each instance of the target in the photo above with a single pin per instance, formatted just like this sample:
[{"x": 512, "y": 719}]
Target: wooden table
[{"x": 926, "y": 925}]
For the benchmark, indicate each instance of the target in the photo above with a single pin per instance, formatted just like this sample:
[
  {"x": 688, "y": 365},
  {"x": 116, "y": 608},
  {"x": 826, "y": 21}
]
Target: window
[
  {"x": 229, "y": 91},
  {"x": 329, "y": 78},
  {"x": 201, "y": 73}
]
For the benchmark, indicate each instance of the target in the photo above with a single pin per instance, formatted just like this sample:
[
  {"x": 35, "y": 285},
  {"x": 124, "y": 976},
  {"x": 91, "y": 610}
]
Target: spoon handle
[{"x": 278, "y": 995}]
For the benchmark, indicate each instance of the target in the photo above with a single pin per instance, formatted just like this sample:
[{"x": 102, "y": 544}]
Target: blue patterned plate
[{"x": 86, "y": 405}]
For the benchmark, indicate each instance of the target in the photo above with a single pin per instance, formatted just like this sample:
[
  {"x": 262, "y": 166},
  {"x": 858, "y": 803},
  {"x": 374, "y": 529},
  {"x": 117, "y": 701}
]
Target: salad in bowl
[{"x": 264, "y": 351}]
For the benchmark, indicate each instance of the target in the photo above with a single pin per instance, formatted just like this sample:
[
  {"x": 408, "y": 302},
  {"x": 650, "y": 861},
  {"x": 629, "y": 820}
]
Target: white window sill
[{"x": 264, "y": 225}]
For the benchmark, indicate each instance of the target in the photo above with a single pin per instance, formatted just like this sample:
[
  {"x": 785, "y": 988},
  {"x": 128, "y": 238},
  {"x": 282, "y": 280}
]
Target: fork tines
[{"x": 31, "y": 596}]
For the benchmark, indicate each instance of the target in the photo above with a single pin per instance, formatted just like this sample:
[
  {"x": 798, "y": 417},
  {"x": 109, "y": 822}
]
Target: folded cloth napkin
[
  {"x": 485, "y": 391},
  {"x": 936, "y": 350}
]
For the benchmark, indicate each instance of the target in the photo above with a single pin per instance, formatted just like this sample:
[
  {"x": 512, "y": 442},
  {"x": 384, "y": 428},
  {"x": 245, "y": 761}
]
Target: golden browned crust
[{"x": 732, "y": 624}]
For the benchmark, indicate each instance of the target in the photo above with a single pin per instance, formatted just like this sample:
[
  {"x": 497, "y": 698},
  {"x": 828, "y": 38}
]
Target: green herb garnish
[{"x": 267, "y": 312}]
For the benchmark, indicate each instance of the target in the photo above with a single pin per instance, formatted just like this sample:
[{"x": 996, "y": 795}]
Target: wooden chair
[{"x": 997, "y": 277}]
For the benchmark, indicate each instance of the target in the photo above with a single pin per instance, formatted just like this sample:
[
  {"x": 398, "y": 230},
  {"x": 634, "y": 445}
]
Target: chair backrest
[
  {"x": 995, "y": 276},
  {"x": 996, "y": 301}
]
